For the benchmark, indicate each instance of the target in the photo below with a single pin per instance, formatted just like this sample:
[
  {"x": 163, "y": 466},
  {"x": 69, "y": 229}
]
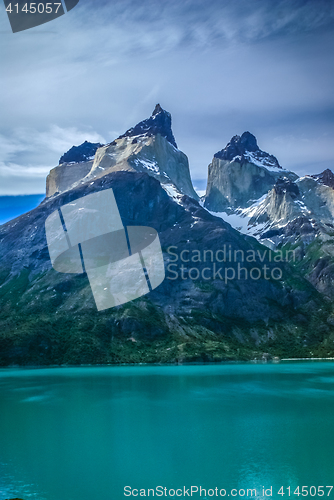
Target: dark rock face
[
  {"x": 299, "y": 229},
  {"x": 239, "y": 146},
  {"x": 284, "y": 185},
  {"x": 326, "y": 177},
  {"x": 81, "y": 153},
  {"x": 160, "y": 122}
]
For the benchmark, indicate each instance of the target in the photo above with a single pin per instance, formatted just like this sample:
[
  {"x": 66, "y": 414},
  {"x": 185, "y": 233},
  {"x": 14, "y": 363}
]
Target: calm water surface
[{"x": 85, "y": 433}]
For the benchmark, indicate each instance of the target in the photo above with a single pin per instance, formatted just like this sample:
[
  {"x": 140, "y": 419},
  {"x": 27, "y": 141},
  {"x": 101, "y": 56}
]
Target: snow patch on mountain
[
  {"x": 240, "y": 219},
  {"x": 149, "y": 164},
  {"x": 265, "y": 161},
  {"x": 173, "y": 192}
]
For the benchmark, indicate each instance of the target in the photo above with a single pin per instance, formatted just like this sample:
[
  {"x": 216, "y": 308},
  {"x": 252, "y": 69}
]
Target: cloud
[
  {"x": 220, "y": 67},
  {"x": 18, "y": 179},
  {"x": 112, "y": 30},
  {"x": 56, "y": 140},
  {"x": 153, "y": 26},
  {"x": 28, "y": 155},
  {"x": 15, "y": 170},
  {"x": 317, "y": 155}
]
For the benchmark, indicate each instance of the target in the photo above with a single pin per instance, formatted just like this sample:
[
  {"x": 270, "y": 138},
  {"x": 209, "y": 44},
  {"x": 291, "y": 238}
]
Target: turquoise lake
[{"x": 86, "y": 433}]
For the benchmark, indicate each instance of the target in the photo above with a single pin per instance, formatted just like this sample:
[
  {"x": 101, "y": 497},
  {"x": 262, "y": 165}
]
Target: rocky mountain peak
[
  {"x": 147, "y": 147},
  {"x": 326, "y": 177},
  {"x": 244, "y": 149},
  {"x": 248, "y": 142},
  {"x": 160, "y": 122},
  {"x": 238, "y": 146},
  {"x": 77, "y": 154},
  {"x": 157, "y": 109}
]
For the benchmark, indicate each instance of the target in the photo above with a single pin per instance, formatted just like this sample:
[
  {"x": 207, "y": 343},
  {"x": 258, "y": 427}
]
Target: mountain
[
  {"x": 226, "y": 296},
  {"x": 160, "y": 122},
  {"x": 48, "y": 317},
  {"x": 241, "y": 173},
  {"x": 326, "y": 177},
  {"x": 249, "y": 189},
  {"x": 148, "y": 147},
  {"x": 306, "y": 203}
]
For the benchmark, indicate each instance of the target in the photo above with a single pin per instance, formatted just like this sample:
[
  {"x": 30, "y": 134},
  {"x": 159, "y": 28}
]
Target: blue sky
[{"x": 220, "y": 67}]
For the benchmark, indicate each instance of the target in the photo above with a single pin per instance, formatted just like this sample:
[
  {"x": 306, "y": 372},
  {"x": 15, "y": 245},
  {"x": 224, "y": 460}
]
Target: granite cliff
[{"x": 241, "y": 173}]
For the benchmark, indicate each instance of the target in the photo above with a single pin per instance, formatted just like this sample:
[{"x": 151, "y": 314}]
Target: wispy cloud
[
  {"x": 14, "y": 170},
  {"x": 147, "y": 28},
  {"x": 53, "y": 142},
  {"x": 221, "y": 67},
  {"x": 18, "y": 179},
  {"x": 28, "y": 155},
  {"x": 161, "y": 25}
]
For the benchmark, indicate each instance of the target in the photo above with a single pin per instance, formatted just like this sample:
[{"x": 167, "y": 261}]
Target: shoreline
[
  {"x": 304, "y": 359},
  {"x": 253, "y": 361}
]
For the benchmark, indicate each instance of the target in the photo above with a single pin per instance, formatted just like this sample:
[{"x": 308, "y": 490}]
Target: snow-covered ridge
[{"x": 261, "y": 159}]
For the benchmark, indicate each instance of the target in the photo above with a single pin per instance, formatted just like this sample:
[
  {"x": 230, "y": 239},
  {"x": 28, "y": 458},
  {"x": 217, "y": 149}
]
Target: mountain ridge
[
  {"x": 244, "y": 148},
  {"x": 220, "y": 300},
  {"x": 49, "y": 317},
  {"x": 148, "y": 147}
]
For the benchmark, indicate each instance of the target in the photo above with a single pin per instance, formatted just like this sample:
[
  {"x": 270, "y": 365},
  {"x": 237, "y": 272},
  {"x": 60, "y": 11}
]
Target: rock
[
  {"x": 241, "y": 173},
  {"x": 326, "y": 178},
  {"x": 243, "y": 148},
  {"x": 65, "y": 175},
  {"x": 148, "y": 147},
  {"x": 286, "y": 186},
  {"x": 84, "y": 152},
  {"x": 53, "y": 317},
  {"x": 73, "y": 166},
  {"x": 160, "y": 122},
  {"x": 151, "y": 154}
]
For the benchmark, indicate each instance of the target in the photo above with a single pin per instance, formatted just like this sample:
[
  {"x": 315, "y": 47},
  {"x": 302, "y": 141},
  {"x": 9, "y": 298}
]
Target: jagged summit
[
  {"x": 244, "y": 149},
  {"x": 157, "y": 109},
  {"x": 77, "y": 154},
  {"x": 326, "y": 177},
  {"x": 147, "y": 147},
  {"x": 160, "y": 122},
  {"x": 237, "y": 146}
]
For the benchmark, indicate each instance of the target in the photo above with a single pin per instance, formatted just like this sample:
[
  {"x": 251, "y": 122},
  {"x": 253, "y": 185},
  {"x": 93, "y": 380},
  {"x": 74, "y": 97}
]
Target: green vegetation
[{"x": 44, "y": 324}]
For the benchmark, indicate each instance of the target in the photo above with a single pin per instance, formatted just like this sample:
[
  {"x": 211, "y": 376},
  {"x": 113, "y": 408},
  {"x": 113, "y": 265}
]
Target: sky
[{"x": 220, "y": 67}]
